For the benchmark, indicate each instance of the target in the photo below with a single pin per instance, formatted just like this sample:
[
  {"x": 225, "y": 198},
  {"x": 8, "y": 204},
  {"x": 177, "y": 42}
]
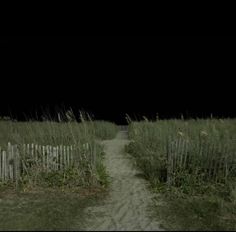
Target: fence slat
[
  {"x": 4, "y": 156},
  {"x": 57, "y": 157},
  {"x": 24, "y": 149},
  {"x": 40, "y": 155},
  {"x": 36, "y": 153},
  {"x": 61, "y": 157},
  {"x": 28, "y": 149},
  {"x": 71, "y": 155},
  {"x": 32, "y": 150},
  {"x": 11, "y": 162},
  {"x": 16, "y": 164},
  {"x": 54, "y": 155},
  {"x": 47, "y": 157},
  {"x": 68, "y": 156},
  {"x": 43, "y": 158},
  {"x": 64, "y": 156}
]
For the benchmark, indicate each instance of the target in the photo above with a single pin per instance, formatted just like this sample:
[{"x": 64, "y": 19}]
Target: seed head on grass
[
  {"x": 180, "y": 133},
  {"x": 203, "y": 133}
]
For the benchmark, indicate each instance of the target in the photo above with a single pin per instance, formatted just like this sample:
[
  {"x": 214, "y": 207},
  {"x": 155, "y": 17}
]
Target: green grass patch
[
  {"x": 46, "y": 210},
  {"x": 54, "y": 200},
  {"x": 105, "y": 130},
  {"x": 88, "y": 169},
  {"x": 192, "y": 166},
  {"x": 207, "y": 212}
]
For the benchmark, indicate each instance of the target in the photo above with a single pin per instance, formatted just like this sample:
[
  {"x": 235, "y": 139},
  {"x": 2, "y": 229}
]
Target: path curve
[{"x": 129, "y": 202}]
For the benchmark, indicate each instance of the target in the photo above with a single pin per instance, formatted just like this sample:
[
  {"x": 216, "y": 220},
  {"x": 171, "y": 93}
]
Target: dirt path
[{"x": 126, "y": 207}]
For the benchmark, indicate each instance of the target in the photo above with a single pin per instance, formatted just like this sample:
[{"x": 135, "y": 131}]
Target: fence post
[
  {"x": 47, "y": 157},
  {"x": 17, "y": 166},
  {"x": 36, "y": 153},
  {"x": 72, "y": 158},
  {"x": 68, "y": 156},
  {"x": 4, "y": 167},
  {"x": 8, "y": 159},
  {"x": 40, "y": 155},
  {"x": 57, "y": 158},
  {"x": 50, "y": 156},
  {"x": 54, "y": 155},
  {"x": 11, "y": 161},
  {"x": 61, "y": 156},
  {"x": 32, "y": 150},
  {"x": 64, "y": 156},
  {"x": 43, "y": 158},
  {"x": 28, "y": 149}
]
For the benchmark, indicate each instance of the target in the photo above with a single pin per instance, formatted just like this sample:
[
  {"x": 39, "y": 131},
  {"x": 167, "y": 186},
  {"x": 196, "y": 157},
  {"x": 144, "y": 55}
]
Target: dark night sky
[{"x": 113, "y": 75}]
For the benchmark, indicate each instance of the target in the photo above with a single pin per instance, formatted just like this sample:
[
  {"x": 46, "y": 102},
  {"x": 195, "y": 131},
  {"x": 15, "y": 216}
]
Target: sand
[{"x": 129, "y": 203}]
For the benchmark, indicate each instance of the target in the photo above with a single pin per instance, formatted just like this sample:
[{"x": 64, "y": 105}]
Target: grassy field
[
  {"x": 191, "y": 165},
  {"x": 51, "y": 200},
  {"x": 53, "y": 133},
  {"x": 105, "y": 130},
  {"x": 46, "y": 209}
]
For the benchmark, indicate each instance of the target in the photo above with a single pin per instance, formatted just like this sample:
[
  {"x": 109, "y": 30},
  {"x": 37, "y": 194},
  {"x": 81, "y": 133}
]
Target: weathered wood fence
[
  {"x": 209, "y": 161},
  {"x": 49, "y": 158}
]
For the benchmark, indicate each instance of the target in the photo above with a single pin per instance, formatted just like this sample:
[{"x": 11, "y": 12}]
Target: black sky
[{"x": 113, "y": 75}]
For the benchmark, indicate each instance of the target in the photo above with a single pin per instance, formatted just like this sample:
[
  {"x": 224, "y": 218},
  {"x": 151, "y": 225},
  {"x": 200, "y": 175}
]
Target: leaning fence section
[{"x": 15, "y": 159}]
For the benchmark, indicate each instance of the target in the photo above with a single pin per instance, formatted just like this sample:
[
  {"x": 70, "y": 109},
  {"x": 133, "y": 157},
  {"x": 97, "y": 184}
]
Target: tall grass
[
  {"x": 82, "y": 135},
  {"x": 105, "y": 129},
  {"x": 202, "y": 150},
  {"x": 191, "y": 159}
]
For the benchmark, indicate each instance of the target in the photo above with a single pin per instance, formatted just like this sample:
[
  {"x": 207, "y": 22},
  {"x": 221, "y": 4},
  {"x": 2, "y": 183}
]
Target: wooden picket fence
[
  {"x": 49, "y": 158},
  {"x": 209, "y": 161}
]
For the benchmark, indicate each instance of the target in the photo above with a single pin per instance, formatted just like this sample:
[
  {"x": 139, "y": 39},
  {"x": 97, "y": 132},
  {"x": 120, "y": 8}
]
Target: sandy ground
[{"x": 128, "y": 206}]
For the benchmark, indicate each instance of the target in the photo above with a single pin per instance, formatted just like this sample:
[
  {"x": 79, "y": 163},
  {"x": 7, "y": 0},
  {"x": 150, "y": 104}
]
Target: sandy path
[{"x": 126, "y": 207}]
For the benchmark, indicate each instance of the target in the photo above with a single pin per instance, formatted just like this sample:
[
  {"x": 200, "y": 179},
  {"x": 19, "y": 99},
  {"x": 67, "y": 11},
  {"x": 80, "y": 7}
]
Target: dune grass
[
  {"x": 82, "y": 135},
  {"x": 202, "y": 187},
  {"x": 104, "y": 129},
  {"x": 55, "y": 200},
  {"x": 55, "y": 133}
]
